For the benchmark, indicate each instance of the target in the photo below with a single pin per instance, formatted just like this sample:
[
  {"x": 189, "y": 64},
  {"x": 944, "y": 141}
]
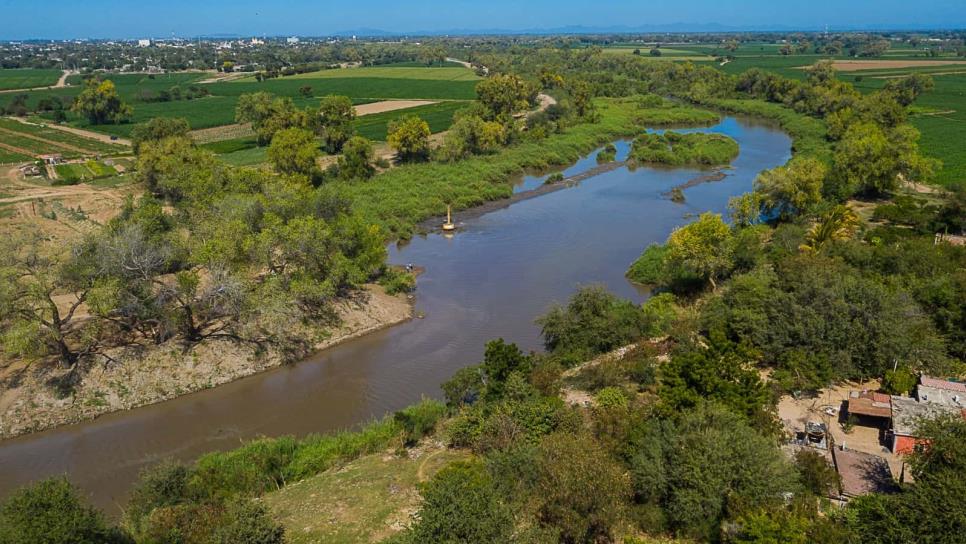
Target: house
[
  {"x": 861, "y": 473},
  {"x": 55, "y": 158},
  {"x": 906, "y": 414},
  {"x": 874, "y": 408}
]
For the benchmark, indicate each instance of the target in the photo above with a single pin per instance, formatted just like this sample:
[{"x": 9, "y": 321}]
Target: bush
[
  {"x": 419, "y": 419},
  {"x": 460, "y": 504},
  {"x": 649, "y": 268},
  {"x": 51, "y": 512}
]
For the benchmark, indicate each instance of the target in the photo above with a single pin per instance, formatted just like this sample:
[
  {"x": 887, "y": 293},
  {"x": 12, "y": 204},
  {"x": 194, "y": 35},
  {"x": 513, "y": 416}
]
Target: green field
[
  {"x": 439, "y": 116},
  {"x": 395, "y": 71},
  {"x": 360, "y": 84},
  {"x": 26, "y": 78},
  {"x": 10, "y": 157},
  {"x": 70, "y": 174},
  {"x": 59, "y": 136}
]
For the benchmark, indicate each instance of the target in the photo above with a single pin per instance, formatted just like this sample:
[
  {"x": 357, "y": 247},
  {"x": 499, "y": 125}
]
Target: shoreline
[{"x": 167, "y": 372}]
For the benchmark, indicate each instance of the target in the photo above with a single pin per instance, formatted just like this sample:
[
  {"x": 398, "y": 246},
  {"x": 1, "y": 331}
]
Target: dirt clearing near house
[{"x": 855, "y": 65}]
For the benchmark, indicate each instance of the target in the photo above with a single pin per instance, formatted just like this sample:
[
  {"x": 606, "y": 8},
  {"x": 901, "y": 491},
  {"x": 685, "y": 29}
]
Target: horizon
[{"x": 219, "y": 18}]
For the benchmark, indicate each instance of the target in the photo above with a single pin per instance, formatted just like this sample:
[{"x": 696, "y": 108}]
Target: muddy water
[{"x": 490, "y": 280}]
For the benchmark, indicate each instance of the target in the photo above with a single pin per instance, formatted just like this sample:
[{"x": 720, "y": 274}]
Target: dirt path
[
  {"x": 389, "y": 105},
  {"x": 61, "y": 82},
  {"x": 48, "y": 142},
  {"x": 485, "y": 70},
  {"x": 105, "y": 138},
  {"x": 854, "y": 65}
]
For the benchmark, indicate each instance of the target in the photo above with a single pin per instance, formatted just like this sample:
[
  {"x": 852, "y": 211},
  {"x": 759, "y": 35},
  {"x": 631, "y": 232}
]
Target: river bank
[{"x": 29, "y": 401}]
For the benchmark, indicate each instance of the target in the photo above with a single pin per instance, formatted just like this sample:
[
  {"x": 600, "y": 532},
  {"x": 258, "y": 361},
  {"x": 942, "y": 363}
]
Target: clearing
[{"x": 366, "y": 500}]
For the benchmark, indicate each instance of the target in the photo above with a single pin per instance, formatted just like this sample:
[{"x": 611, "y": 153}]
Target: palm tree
[{"x": 840, "y": 223}]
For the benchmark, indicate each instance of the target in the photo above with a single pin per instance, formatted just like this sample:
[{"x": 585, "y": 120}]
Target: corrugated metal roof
[{"x": 866, "y": 403}]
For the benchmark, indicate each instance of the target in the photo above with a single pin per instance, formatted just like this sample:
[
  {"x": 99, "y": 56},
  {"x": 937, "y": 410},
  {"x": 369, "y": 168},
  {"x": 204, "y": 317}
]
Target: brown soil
[
  {"x": 854, "y": 65},
  {"x": 794, "y": 413},
  {"x": 224, "y": 132},
  {"x": 389, "y": 105},
  {"x": 28, "y": 403}
]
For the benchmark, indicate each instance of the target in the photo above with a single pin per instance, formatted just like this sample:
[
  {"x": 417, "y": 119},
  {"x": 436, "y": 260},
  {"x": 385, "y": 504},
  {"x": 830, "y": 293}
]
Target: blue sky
[{"x": 20, "y": 19}]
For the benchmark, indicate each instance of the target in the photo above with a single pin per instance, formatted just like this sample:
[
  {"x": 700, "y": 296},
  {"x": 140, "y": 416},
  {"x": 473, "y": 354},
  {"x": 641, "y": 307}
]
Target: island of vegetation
[{"x": 676, "y": 149}]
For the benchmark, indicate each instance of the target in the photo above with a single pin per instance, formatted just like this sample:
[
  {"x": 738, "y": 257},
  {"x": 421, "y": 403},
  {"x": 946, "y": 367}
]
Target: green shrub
[
  {"x": 420, "y": 419},
  {"x": 649, "y": 268},
  {"x": 676, "y": 149},
  {"x": 51, "y": 512}
]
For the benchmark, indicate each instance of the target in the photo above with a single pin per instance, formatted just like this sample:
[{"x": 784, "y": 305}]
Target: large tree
[
  {"x": 505, "y": 94},
  {"x": 294, "y": 151},
  {"x": 333, "y": 122},
  {"x": 409, "y": 136},
  {"x": 101, "y": 104},
  {"x": 791, "y": 189},
  {"x": 870, "y": 159},
  {"x": 702, "y": 248},
  {"x": 356, "y": 160}
]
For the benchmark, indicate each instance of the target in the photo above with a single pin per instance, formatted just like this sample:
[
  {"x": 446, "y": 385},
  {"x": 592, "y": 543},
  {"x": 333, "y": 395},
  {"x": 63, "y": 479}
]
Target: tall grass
[
  {"x": 268, "y": 464},
  {"x": 401, "y": 197},
  {"x": 809, "y": 135}
]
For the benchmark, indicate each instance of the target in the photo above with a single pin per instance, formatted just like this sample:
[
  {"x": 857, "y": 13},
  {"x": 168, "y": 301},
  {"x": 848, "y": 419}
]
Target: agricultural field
[
  {"x": 73, "y": 173},
  {"x": 362, "y": 85},
  {"x": 26, "y": 78},
  {"x": 57, "y": 141}
]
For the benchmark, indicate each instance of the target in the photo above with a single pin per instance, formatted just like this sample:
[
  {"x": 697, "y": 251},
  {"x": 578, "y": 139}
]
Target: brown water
[{"x": 490, "y": 280}]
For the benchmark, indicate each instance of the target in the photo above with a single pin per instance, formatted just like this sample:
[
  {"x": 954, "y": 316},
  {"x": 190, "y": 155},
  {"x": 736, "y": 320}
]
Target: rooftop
[
  {"x": 955, "y": 399},
  {"x": 942, "y": 384},
  {"x": 907, "y": 412},
  {"x": 862, "y": 473},
  {"x": 868, "y": 403}
]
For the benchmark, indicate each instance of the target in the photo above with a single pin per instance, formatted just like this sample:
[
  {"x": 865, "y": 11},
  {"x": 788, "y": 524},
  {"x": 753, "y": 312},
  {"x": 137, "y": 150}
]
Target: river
[{"x": 490, "y": 280}]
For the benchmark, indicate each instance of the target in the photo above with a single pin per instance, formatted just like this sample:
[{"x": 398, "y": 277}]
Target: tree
[
  {"x": 582, "y": 94},
  {"x": 50, "y": 512},
  {"x": 409, "y": 136},
  {"x": 294, "y": 151},
  {"x": 839, "y": 223},
  {"x": 505, "y": 94},
  {"x": 305, "y": 91},
  {"x": 702, "y": 247},
  {"x": 816, "y": 474},
  {"x": 654, "y": 52},
  {"x": 870, "y": 159},
  {"x": 907, "y": 89},
  {"x": 461, "y": 506},
  {"x": 594, "y": 321},
  {"x": 158, "y": 128},
  {"x": 333, "y": 122},
  {"x": 357, "y": 158},
  {"x": 267, "y": 114},
  {"x": 100, "y": 103},
  {"x": 791, "y": 189},
  {"x": 694, "y": 467},
  {"x": 36, "y": 321},
  {"x": 580, "y": 489},
  {"x": 469, "y": 135}
]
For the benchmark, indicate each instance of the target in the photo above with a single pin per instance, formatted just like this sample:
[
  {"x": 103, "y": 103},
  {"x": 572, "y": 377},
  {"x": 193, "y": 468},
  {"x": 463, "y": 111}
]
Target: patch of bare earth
[
  {"x": 826, "y": 407},
  {"x": 132, "y": 378},
  {"x": 854, "y": 65}
]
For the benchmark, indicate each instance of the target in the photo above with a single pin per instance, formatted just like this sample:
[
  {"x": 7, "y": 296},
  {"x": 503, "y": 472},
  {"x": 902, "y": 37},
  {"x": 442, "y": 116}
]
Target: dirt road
[{"x": 62, "y": 82}]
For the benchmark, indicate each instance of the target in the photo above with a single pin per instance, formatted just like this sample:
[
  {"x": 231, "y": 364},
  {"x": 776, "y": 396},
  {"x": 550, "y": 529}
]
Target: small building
[
  {"x": 52, "y": 159},
  {"x": 815, "y": 435},
  {"x": 906, "y": 415},
  {"x": 144, "y": 43},
  {"x": 862, "y": 473},
  {"x": 30, "y": 170},
  {"x": 292, "y": 40},
  {"x": 874, "y": 408}
]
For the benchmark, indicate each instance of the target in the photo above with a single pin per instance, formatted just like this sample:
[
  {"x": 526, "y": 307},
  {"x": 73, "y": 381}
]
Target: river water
[{"x": 490, "y": 280}]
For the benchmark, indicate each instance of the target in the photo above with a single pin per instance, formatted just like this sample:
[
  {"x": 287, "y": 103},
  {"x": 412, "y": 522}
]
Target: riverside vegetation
[{"x": 680, "y": 438}]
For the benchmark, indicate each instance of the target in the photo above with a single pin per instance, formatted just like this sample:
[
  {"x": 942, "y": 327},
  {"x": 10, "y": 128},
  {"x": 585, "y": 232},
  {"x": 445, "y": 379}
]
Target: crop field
[
  {"x": 54, "y": 137},
  {"x": 10, "y": 157},
  {"x": 70, "y": 174},
  {"x": 439, "y": 117},
  {"x": 394, "y": 71},
  {"x": 362, "y": 85},
  {"x": 26, "y": 78}
]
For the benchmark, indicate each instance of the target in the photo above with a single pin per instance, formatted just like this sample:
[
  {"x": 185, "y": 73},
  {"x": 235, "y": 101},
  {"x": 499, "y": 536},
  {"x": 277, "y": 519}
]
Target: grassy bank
[
  {"x": 808, "y": 134},
  {"x": 400, "y": 198}
]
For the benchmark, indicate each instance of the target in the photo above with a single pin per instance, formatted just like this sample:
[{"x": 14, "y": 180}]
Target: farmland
[
  {"x": 361, "y": 84},
  {"x": 26, "y": 78}
]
